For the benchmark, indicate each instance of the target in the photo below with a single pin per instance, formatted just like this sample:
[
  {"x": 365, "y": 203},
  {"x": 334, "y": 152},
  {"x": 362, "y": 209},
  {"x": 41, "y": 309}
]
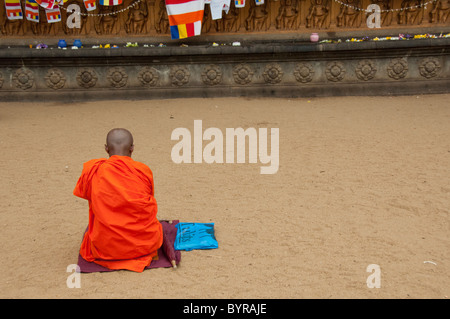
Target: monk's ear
[
  {"x": 131, "y": 148},
  {"x": 106, "y": 148}
]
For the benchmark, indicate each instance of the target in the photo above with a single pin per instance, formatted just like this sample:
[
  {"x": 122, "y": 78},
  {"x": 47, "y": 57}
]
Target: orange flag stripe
[{"x": 186, "y": 18}]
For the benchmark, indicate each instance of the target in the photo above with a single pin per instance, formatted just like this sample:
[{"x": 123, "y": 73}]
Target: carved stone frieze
[
  {"x": 148, "y": 76},
  {"x": 272, "y": 73},
  {"x": 258, "y": 18},
  {"x": 288, "y": 17},
  {"x": 100, "y": 74},
  {"x": 136, "y": 18},
  {"x": 440, "y": 12},
  {"x": 386, "y": 14},
  {"x": 304, "y": 72},
  {"x": 349, "y": 14},
  {"x": 318, "y": 16},
  {"x": 429, "y": 67},
  {"x": 107, "y": 21},
  {"x": 179, "y": 75},
  {"x": 23, "y": 78},
  {"x": 242, "y": 74},
  {"x": 335, "y": 71},
  {"x": 55, "y": 79},
  {"x": 117, "y": 77},
  {"x": 397, "y": 68},
  {"x": 366, "y": 70},
  {"x": 411, "y": 13},
  {"x": 86, "y": 78},
  {"x": 212, "y": 74}
]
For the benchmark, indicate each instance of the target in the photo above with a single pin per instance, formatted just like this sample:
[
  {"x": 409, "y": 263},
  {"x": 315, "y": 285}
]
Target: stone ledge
[{"x": 249, "y": 47}]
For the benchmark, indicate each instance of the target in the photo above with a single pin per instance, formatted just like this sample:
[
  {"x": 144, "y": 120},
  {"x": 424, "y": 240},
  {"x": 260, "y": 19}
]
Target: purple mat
[{"x": 169, "y": 229}]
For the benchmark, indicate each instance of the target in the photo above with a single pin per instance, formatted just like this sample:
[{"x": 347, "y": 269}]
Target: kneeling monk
[{"x": 123, "y": 231}]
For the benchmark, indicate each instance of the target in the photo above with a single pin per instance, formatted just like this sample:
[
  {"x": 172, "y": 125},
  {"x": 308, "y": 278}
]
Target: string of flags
[
  {"x": 53, "y": 13},
  {"x": 14, "y": 8},
  {"x": 386, "y": 10}
]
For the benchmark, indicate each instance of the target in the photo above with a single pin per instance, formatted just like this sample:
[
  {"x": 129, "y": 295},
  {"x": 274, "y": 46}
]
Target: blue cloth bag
[{"x": 195, "y": 236}]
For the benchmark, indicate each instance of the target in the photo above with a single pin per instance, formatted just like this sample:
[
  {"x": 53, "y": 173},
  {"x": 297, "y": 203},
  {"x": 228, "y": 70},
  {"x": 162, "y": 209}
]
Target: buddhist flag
[
  {"x": 239, "y": 3},
  {"x": 54, "y": 14},
  {"x": 185, "y": 17},
  {"x": 90, "y": 5},
  {"x": 13, "y": 9},
  {"x": 110, "y": 2},
  {"x": 259, "y": 2},
  {"x": 32, "y": 10},
  {"x": 46, "y": 4}
]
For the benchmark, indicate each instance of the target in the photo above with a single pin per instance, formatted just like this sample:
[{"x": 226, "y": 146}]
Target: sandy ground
[{"x": 362, "y": 180}]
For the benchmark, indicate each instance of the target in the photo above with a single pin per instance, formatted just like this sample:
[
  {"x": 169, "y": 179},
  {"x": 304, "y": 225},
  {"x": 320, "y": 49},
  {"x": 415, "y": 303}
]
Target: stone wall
[{"x": 279, "y": 69}]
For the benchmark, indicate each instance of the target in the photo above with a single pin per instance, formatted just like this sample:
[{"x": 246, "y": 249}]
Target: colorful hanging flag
[
  {"x": 239, "y": 3},
  {"x": 186, "y": 30},
  {"x": 13, "y": 9},
  {"x": 46, "y": 4},
  {"x": 110, "y": 2},
  {"x": 90, "y": 5},
  {"x": 259, "y": 2},
  {"x": 185, "y": 17},
  {"x": 32, "y": 10},
  {"x": 217, "y": 6},
  {"x": 54, "y": 14}
]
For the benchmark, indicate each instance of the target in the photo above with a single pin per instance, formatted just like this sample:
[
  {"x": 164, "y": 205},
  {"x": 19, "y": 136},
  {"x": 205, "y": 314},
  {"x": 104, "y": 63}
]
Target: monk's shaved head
[{"x": 119, "y": 141}]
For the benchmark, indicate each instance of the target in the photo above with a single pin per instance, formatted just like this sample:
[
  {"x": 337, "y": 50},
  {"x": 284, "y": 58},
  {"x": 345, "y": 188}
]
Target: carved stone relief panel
[
  {"x": 366, "y": 70},
  {"x": 149, "y": 18},
  {"x": 23, "y": 78},
  {"x": 429, "y": 67},
  {"x": 273, "y": 73},
  {"x": 304, "y": 72},
  {"x": 179, "y": 75},
  {"x": 86, "y": 78},
  {"x": 319, "y": 16},
  {"x": 117, "y": 77},
  {"x": 243, "y": 74},
  {"x": 148, "y": 76},
  {"x": 349, "y": 14},
  {"x": 212, "y": 74},
  {"x": 335, "y": 71},
  {"x": 55, "y": 79},
  {"x": 288, "y": 17},
  {"x": 397, "y": 68},
  {"x": 440, "y": 12}
]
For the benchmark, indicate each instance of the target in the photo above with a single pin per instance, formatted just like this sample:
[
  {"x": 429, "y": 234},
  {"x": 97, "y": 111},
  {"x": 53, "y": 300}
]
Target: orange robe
[{"x": 123, "y": 231}]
